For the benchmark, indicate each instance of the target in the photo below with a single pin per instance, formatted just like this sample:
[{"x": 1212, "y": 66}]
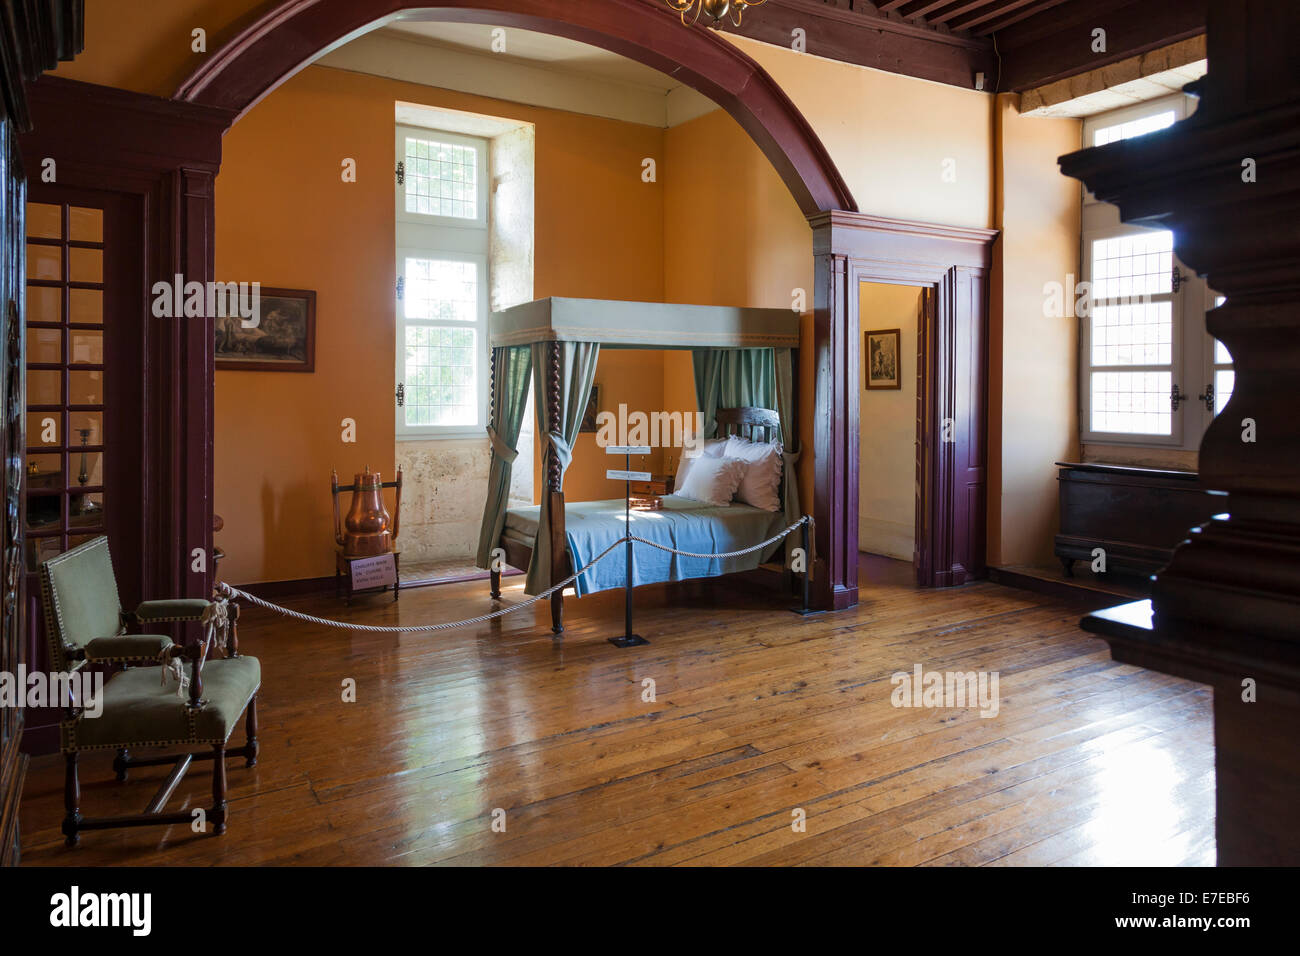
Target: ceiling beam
[
  {"x": 1005, "y": 19},
  {"x": 1058, "y": 43},
  {"x": 961, "y": 9},
  {"x": 870, "y": 37}
]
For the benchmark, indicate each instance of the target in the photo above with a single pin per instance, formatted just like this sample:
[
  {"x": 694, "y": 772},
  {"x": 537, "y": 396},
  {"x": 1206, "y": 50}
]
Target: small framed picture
[
  {"x": 592, "y": 410},
  {"x": 283, "y": 340},
  {"x": 881, "y": 359}
]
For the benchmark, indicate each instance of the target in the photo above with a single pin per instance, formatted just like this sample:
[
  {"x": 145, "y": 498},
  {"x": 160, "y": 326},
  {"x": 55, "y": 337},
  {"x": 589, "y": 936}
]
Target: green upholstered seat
[
  {"x": 139, "y": 710},
  {"x": 125, "y": 648},
  {"x": 178, "y": 609}
]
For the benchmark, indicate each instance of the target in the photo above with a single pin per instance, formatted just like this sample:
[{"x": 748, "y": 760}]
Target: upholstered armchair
[{"x": 166, "y": 695}]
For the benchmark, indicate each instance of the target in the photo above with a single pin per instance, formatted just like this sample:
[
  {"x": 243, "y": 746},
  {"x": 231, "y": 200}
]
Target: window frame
[
  {"x": 426, "y": 236},
  {"x": 404, "y": 132},
  {"x": 1175, "y": 439},
  {"x": 480, "y": 327},
  {"x": 1192, "y": 347}
]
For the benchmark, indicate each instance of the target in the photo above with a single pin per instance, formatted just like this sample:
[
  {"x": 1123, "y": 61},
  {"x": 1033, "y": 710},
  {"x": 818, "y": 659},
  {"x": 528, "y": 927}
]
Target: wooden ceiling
[
  {"x": 994, "y": 45},
  {"x": 978, "y": 17}
]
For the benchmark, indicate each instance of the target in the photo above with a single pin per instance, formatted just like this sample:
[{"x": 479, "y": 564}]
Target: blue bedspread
[{"x": 591, "y": 526}]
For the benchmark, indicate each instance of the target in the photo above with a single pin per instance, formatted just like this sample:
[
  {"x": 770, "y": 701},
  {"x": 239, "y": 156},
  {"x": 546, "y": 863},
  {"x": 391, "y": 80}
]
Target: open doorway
[{"x": 890, "y": 318}]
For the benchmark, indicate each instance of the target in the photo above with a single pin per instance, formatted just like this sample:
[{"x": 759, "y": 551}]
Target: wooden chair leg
[
  {"x": 218, "y": 813},
  {"x": 71, "y": 800},
  {"x": 250, "y": 725},
  {"x": 121, "y": 762}
]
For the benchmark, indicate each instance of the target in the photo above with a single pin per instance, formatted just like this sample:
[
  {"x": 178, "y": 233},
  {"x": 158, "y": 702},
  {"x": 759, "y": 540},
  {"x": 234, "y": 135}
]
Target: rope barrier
[{"x": 230, "y": 591}]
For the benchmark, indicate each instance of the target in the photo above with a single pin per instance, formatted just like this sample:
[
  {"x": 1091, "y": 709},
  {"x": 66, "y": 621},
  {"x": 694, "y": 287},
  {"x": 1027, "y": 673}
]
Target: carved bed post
[
  {"x": 494, "y": 574},
  {"x": 554, "y": 499}
]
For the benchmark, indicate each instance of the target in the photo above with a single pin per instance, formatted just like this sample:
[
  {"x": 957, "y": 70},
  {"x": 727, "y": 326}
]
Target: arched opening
[{"x": 287, "y": 39}]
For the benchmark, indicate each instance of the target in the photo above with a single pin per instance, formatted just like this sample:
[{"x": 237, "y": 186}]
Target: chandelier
[{"x": 716, "y": 9}]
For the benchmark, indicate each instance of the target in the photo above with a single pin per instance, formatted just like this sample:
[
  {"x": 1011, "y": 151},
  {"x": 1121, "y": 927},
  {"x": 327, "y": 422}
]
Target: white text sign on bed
[
  {"x": 627, "y": 475},
  {"x": 627, "y": 449}
]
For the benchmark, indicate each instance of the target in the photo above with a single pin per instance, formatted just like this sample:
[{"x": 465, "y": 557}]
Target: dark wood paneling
[
  {"x": 291, "y": 34},
  {"x": 12, "y": 441},
  {"x": 34, "y": 36},
  {"x": 863, "y": 36},
  {"x": 1058, "y": 43}
]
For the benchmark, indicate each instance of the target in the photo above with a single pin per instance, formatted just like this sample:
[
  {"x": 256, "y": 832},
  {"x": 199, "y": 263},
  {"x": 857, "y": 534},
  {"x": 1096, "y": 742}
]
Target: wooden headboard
[{"x": 756, "y": 424}]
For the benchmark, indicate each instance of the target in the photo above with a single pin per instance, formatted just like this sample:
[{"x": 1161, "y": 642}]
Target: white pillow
[
  {"x": 713, "y": 448},
  {"x": 761, "y": 485},
  {"x": 712, "y": 480}
]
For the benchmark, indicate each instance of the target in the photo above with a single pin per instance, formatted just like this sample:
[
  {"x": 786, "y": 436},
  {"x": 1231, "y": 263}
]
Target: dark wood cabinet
[
  {"x": 1137, "y": 515},
  {"x": 36, "y": 35}
]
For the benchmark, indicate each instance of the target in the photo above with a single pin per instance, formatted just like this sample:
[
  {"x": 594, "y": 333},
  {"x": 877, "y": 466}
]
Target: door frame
[{"x": 954, "y": 262}]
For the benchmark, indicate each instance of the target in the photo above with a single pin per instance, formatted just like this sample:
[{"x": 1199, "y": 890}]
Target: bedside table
[{"x": 657, "y": 485}]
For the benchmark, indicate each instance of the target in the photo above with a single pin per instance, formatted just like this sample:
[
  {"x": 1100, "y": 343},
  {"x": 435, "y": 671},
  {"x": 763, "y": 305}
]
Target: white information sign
[
  {"x": 377, "y": 572},
  {"x": 627, "y": 475}
]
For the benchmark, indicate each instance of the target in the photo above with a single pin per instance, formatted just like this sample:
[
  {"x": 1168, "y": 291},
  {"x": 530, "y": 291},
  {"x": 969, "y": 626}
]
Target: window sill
[{"x": 468, "y": 434}]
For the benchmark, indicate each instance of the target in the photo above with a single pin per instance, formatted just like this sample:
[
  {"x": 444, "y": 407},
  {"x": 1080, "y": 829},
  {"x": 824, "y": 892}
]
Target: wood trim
[
  {"x": 953, "y": 262},
  {"x": 292, "y": 32}
]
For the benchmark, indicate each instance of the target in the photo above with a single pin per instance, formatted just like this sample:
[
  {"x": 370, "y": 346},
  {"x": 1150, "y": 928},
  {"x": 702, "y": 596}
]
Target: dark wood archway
[{"x": 289, "y": 35}]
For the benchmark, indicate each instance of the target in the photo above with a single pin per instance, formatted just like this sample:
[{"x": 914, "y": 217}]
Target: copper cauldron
[{"x": 368, "y": 529}]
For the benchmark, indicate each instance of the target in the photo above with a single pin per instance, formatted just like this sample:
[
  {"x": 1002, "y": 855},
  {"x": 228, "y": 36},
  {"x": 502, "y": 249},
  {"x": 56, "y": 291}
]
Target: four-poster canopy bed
[{"x": 744, "y": 384}]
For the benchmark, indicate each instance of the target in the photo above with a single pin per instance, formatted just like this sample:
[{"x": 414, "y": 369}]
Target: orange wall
[
  {"x": 147, "y": 46},
  {"x": 285, "y": 218},
  {"x": 733, "y": 235},
  {"x": 889, "y": 135}
]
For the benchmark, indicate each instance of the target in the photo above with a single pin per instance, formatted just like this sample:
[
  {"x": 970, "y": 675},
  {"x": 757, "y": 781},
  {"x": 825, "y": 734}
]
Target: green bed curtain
[
  {"x": 577, "y": 373},
  {"x": 511, "y": 369},
  {"x": 760, "y": 378},
  {"x": 731, "y": 378}
]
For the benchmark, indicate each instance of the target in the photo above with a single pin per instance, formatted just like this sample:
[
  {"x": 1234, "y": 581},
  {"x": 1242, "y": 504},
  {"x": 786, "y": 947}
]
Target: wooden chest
[{"x": 1137, "y": 515}]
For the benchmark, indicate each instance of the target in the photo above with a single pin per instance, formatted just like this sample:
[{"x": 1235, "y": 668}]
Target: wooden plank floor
[{"x": 757, "y": 712}]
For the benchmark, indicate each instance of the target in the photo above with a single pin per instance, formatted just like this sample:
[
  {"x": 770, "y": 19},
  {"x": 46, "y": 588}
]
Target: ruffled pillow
[{"x": 761, "y": 484}]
